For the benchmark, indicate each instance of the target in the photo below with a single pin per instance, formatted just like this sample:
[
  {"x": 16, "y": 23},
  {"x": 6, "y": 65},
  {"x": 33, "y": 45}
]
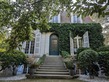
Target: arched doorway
[{"x": 54, "y": 45}]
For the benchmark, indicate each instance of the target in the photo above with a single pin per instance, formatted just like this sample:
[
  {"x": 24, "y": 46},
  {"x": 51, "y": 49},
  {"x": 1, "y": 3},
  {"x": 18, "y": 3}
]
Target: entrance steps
[{"x": 53, "y": 67}]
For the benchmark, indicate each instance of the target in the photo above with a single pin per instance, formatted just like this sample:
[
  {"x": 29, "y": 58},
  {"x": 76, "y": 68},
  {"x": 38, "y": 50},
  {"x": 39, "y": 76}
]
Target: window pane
[
  {"x": 27, "y": 47},
  {"x": 75, "y": 18},
  {"x": 55, "y": 19},
  {"x": 78, "y": 20},
  {"x": 32, "y": 47}
]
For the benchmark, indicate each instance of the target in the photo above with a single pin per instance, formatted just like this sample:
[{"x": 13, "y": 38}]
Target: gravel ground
[
  {"x": 96, "y": 79},
  {"x": 82, "y": 77},
  {"x": 18, "y": 77}
]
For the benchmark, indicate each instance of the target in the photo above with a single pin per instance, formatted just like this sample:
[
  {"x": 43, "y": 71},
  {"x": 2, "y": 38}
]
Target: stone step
[
  {"x": 52, "y": 70},
  {"x": 41, "y": 67},
  {"x": 54, "y": 73},
  {"x": 54, "y": 64},
  {"x": 50, "y": 76},
  {"x": 51, "y": 65}
]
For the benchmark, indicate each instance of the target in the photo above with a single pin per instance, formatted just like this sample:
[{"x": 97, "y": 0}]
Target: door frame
[{"x": 57, "y": 44}]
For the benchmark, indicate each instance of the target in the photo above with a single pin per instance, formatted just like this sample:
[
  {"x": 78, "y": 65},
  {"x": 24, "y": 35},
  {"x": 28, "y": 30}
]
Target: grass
[{"x": 46, "y": 80}]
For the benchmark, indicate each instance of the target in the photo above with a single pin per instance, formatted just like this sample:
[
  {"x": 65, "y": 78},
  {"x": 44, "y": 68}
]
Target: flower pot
[
  {"x": 71, "y": 72},
  {"x": 32, "y": 71}
]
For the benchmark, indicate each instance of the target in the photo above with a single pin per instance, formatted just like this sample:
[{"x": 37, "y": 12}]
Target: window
[
  {"x": 27, "y": 47},
  {"x": 76, "y": 19},
  {"x": 32, "y": 47},
  {"x": 55, "y": 19}
]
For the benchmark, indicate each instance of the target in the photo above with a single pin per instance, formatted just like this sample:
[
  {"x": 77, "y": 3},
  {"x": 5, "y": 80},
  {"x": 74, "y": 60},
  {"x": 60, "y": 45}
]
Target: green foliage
[
  {"x": 12, "y": 58},
  {"x": 81, "y": 49},
  {"x": 41, "y": 60},
  {"x": 87, "y": 58},
  {"x": 33, "y": 66},
  {"x": 103, "y": 48},
  {"x": 22, "y": 16},
  {"x": 69, "y": 64},
  {"x": 103, "y": 60},
  {"x": 86, "y": 8},
  {"x": 63, "y": 30},
  {"x": 64, "y": 54}
]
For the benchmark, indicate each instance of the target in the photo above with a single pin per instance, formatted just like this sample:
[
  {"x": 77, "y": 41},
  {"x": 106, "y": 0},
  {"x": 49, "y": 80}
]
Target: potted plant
[
  {"x": 71, "y": 67},
  {"x": 32, "y": 68}
]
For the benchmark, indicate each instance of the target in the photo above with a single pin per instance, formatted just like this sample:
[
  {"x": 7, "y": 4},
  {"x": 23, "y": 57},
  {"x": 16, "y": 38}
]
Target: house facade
[{"x": 48, "y": 43}]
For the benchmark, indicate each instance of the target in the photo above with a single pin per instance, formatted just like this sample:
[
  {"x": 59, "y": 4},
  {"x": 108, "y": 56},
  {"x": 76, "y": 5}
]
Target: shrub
[
  {"x": 13, "y": 58},
  {"x": 86, "y": 59},
  {"x": 69, "y": 64},
  {"x": 103, "y": 60},
  {"x": 35, "y": 65},
  {"x": 79, "y": 50},
  {"x": 41, "y": 60},
  {"x": 64, "y": 54},
  {"x": 103, "y": 48}
]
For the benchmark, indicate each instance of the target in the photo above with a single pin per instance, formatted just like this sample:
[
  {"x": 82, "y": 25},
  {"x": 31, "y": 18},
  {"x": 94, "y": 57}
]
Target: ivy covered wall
[{"x": 63, "y": 30}]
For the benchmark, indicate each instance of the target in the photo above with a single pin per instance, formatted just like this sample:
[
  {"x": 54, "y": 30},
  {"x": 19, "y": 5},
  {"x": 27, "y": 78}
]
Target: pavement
[
  {"x": 81, "y": 77},
  {"x": 96, "y": 79},
  {"x": 17, "y": 77}
]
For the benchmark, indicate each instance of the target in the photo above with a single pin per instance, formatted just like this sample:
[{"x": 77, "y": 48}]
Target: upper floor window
[
  {"x": 76, "y": 19},
  {"x": 55, "y": 19}
]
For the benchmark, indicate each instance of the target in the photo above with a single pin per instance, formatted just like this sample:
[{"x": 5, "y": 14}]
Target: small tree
[
  {"x": 79, "y": 50},
  {"x": 12, "y": 58},
  {"x": 103, "y": 60},
  {"x": 86, "y": 60}
]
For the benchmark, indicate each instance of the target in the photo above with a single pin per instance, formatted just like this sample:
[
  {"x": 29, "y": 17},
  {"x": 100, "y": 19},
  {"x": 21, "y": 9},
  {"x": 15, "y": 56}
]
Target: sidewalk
[
  {"x": 96, "y": 79},
  {"x": 18, "y": 77}
]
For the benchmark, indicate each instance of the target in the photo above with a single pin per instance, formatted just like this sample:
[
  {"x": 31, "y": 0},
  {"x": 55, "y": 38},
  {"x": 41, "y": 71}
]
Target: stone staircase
[{"x": 53, "y": 67}]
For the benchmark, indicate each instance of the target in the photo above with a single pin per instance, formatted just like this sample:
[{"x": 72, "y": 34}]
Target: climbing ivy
[{"x": 63, "y": 30}]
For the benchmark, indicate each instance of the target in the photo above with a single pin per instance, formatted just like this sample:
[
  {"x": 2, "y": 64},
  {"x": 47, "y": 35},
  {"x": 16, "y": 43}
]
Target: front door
[{"x": 54, "y": 49}]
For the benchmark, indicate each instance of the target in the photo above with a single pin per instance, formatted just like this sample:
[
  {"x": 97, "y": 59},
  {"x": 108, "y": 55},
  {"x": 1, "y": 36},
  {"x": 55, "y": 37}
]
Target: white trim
[
  {"x": 29, "y": 47},
  {"x": 35, "y": 43},
  {"x": 81, "y": 19},
  {"x": 71, "y": 15},
  {"x": 59, "y": 20}
]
